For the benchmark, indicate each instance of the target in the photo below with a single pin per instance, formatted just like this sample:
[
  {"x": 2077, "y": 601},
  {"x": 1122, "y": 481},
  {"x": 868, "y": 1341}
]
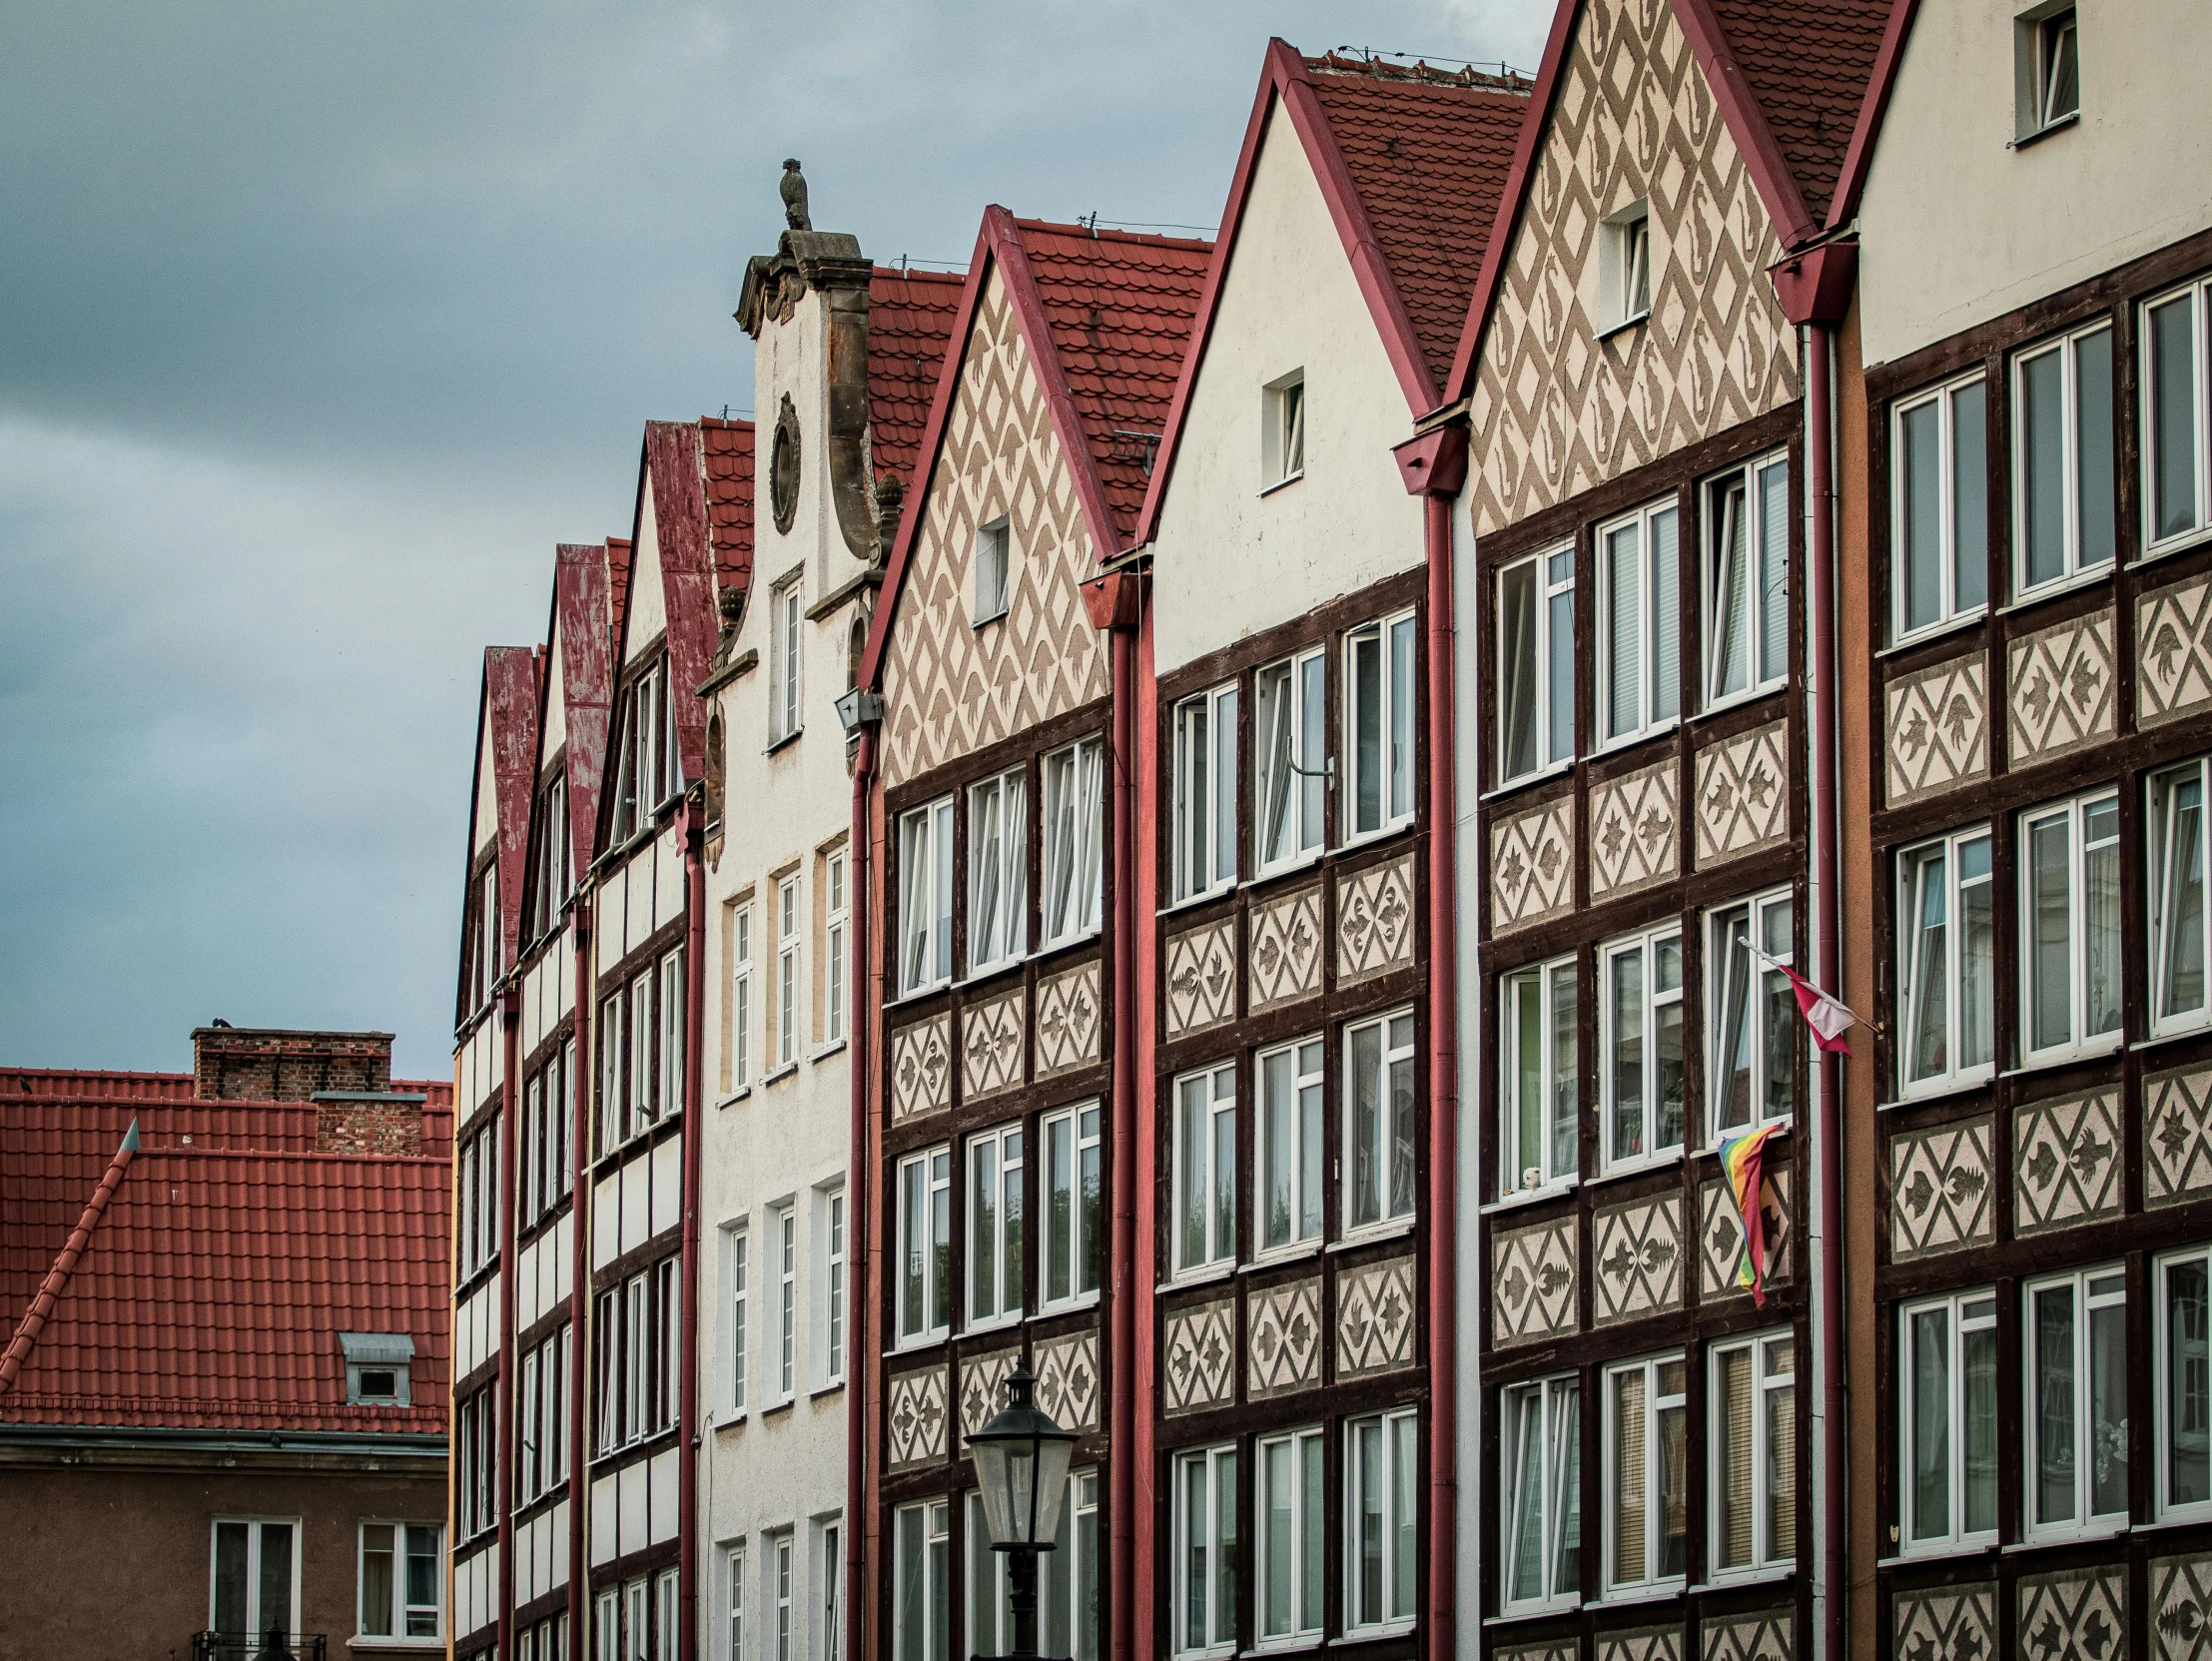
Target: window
[
  {"x": 2177, "y": 911},
  {"x": 1638, "y": 624},
  {"x": 784, "y": 612},
  {"x": 1378, "y": 1122},
  {"x": 483, "y": 948},
  {"x": 1624, "y": 267},
  {"x": 635, "y": 1378},
  {"x": 1939, "y": 506},
  {"x": 787, "y": 971},
  {"x": 992, "y": 563},
  {"x": 665, "y": 1620},
  {"x": 541, "y": 1417},
  {"x": 2177, "y": 466},
  {"x": 476, "y": 1458},
  {"x": 2063, "y": 459},
  {"x": 784, "y": 1226},
  {"x": 606, "y": 1626},
  {"x": 836, "y": 929},
  {"x": 1539, "y": 1093},
  {"x": 1205, "y": 793},
  {"x": 833, "y": 1288},
  {"x": 1646, "y": 1477},
  {"x": 994, "y": 1226},
  {"x": 542, "y": 1177},
  {"x": 1541, "y": 1453},
  {"x": 547, "y": 1641},
  {"x": 476, "y": 1226},
  {"x": 1075, "y": 1204},
  {"x": 734, "y": 1565},
  {"x": 922, "y": 1569},
  {"x": 1291, "y": 1528},
  {"x": 1746, "y": 580},
  {"x": 998, "y": 871},
  {"x": 736, "y": 1256},
  {"x": 1205, "y": 1594},
  {"x": 1947, "y": 963},
  {"x": 651, "y": 759},
  {"x": 1291, "y": 734},
  {"x": 1536, "y": 663},
  {"x": 741, "y": 996},
  {"x": 2182, "y": 1389},
  {"x": 1283, "y": 437},
  {"x": 378, "y": 1367},
  {"x": 2075, "y": 1355},
  {"x": 1639, "y": 1038},
  {"x": 1752, "y": 1018},
  {"x": 1068, "y": 1591},
  {"x": 833, "y": 1583},
  {"x": 637, "y": 1630},
  {"x": 779, "y": 1569},
  {"x": 1755, "y": 1454},
  {"x": 669, "y": 1103},
  {"x": 1289, "y": 1152},
  {"x": 1947, "y": 1421},
  {"x": 925, "y": 1244},
  {"x": 1382, "y": 1493},
  {"x": 641, "y": 1051},
  {"x": 2047, "y": 68},
  {"x": 926, "y": 896},
  {"x": 1380, "y": 699},
  {"x": 2070, "y": 927},
  {"x": 1074, "y": 819},
  {"x": 1204, "y": 1208},
  {"x": 253, "y": 1579},
  {"x": 553, "y": 874}
]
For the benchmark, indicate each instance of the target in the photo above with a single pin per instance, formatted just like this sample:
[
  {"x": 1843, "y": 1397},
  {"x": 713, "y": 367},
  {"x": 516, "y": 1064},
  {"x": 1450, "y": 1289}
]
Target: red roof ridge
[
  {"x": 1112, "y": 234},
  {"x": 916, "y": 274}
]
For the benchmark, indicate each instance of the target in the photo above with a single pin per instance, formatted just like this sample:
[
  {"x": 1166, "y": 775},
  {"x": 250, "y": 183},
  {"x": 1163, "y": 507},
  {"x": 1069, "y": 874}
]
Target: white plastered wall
[{"x": 648, "y": 599}]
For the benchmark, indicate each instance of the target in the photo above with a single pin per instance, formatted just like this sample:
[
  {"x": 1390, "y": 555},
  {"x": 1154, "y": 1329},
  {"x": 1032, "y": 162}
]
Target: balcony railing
[{"x": 264, "y": 1646}]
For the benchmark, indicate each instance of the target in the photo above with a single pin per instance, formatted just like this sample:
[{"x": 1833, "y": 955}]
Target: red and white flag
[{"x": 1826, "y": 1016}]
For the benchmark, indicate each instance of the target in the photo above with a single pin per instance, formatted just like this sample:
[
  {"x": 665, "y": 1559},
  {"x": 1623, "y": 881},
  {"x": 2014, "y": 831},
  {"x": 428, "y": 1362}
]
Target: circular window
[{"x": 783, "y": 467}]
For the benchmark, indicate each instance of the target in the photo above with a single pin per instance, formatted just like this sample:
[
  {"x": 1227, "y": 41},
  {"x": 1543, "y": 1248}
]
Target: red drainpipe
[
  {"x": 510, "y": 1093},
  {"x": 692, "y": 817},
  {"x": 860, "y": 1290},
  {"x": 579, "y": 1278}
]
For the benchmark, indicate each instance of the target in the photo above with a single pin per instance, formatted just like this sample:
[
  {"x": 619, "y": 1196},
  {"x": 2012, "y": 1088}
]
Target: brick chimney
[{"x": 272, "y": 1063}]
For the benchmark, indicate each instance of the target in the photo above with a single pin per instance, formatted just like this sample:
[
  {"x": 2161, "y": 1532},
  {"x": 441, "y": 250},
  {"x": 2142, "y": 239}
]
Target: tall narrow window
[
  {"x": 644, "y": 1032},
  {"x": 665, "y": 1619},
  {"x": 998, "y": 871},
  {"x": 1939, "y": 512},
  {"x": 922, "y": 1575},
  {"x": 529, "y": 1150},
  {"x": 2063, "y": 459},
  {"x": 1291, "y": 734},
  {"x": 2057, "y": 68},
  {"x": 606, "y": 1626},
  {"x": 1205, "y": 793},
  {"x": 1536, "y": 663},
  {"x": 1074, "y": 820},
  {"x": 1540, "y": 1453},
  {"x": 1075, "y": 1204},
  {"x": 1068, "y": 1594},
  {"x": 673, "y": 1033},
  {"x": 2177, "y": 465},
  {"x": 926, "y": 896},
  {"x": 1282, "y": 440},
  {"x": 739, "y": 1270},
  {"x": 995, "y": 1242},
  {"x": 836, "y": 931},
  {"x": 741, "y": 996},
  {"x": 2070, "y": 927},
  {"x": 833, "y": 1587},
  {"x": 1755, "y": 1454},
  {"x": 2074, "y": 1352},
  {"x": 402, "y": 1581},
  {"x": 832, "y": 1290},
  {"x": 1647, "y": 1529},
  {"x": 1947, "y": 963},
  {"x": 1378, "y": 1122},
  {"x": 1639, "y": 1041},
  {"x": 993, "y": 548},
  {"x": 781, "y": 1589},
  {"x": 1746, "y": 580},
  {"x": 787, "y": 971},
  {"x": 2182, "y": 1394},
  {"x": 925, "y": 1244},
  {"x": 1381, "y": 1507},
  {"x": 553, "y": 876},
  {"x": 1539, "y": 1087},
  {"x": 2179, "y": 941},
  {"x": 1378, "y": 719},
  {"x": 1947, "y": 1421},
  {"x": 1289, "y": 1155},
  {"x": 1204, "y": 1177},
  {"x": 1624, "y": 267},
  {"x": 254, "y": 1590},
  {"x": 1204, "y": 1575},
  {"x": 1752, "y": 1017},
  {"x": 565, "y": 1126},
  {"x": 784, "y": 1224},
  {"x": 1289, "y": 1550},
  {"x": 1638, "y": 624},
  {"x": 784, "y": 612},
  {"x": 734, "y": 1569}
]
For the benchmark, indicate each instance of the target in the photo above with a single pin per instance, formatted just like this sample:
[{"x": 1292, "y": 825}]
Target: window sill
[
  {"x": 1638, "y": 1168},
  {"x": 2196, "y": 1519},
  {"x": 1531, "y": 1197},
  {"x": 736, "y": 1096},
  {"x": 835, "y": 1387},
  {"x": 1282, "y": 482},
  {"x": 2058, "y": 587},
  {"x": 1397, "y": 1227},
  {"x": 786, "y": 741},
  {"x": 1213, "y": 1275},
  {"x": 1288, "y": 868},
  {"x": 2184, "y": 544},
  {"x": 826, "y": 1051},
  {"x": 1736, "y": 700},
  {"x": 990, "y": 971},
  {"x": 1768, "y": 1576},
  {"x": 775, "y": 1408},
  {"x": 1625, "y": 324},
  {"x": 1191, "y": 902},
  {"x": 435, "y": 1644},
  {"x": 1080, "y": 938},
  {"x": 1367, "y": 839},
  {"x": 1368, "y": 1634},
  {"x": 2116, "y": 1529},
  {"x": 997, "y": 616},
  {"x": 2174, "y": 1034},
  {"x": 1538, "y": 1612},
  {"x": 1781, "y": 1126},
  {"x": 777, "y": 1075},
  {"x": 1934, "y": 632},
  {"x": 1513, "y": 786},
  {"x": 736, "y": 1421},
  {"x": 1641, "y": 1594},
  {"x": 916, "y": 994},
  {"x": 1642, "y": 735},
  {"x": 1948, "y": 1552},
  {"x": 1280, "y": 1254},
  {"x": 2042, "y": 133},
  {"x": 914, "y": 1345},
  {"x": 2067, "y": 1058},
  {"x": 1946, "y": 1093},
  {"x": 1068, "y": 1305},
  {"x": 996, "y": 1324}
]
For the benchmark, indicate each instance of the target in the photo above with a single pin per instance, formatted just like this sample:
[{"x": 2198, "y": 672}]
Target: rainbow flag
[{"x": 1741, "y": 1160}]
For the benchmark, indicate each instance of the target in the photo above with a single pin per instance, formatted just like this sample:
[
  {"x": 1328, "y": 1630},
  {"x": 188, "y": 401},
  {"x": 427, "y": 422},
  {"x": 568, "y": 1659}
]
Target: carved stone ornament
[
  {"x": 793, "y": 189},
  {"x": 783, "y": 467}
]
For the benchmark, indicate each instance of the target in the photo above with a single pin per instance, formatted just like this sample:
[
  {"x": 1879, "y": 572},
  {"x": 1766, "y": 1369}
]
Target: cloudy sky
[{"x": 324, "y": 323}]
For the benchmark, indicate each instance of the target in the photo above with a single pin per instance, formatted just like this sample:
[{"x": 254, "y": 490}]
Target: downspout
[
  {"x": 579, "y": 1273},
  {"x": 693, "y": 814},
  {"x": 860, "y": 1290},
  {"x": 57, "y": 1277},
  {"x": 510, "y": 1093}
]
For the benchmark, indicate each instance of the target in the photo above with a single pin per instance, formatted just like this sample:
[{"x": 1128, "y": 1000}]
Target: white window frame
[
  {"x": 253, "y": 1525},
  {"x": 830, "y": 1538},
  {"x": 1766, "y": 1381},
  {"x": 1307, "y": 767},
  {"x": 1766, "y": 639},
  {"x": 1390, "y": 1428},
  {"x": 1657, "y": 678},
  {"x": 1304, "y": 1115},
  {"x": 1004, "y": 1147},
  {"x": 1283, "y": 430},
  {"x": 1205, "y": 1099},
  {"x": 783, "y": 1229},
  {"x": 1068, "y": 1579},
  {"x": 2035, "y": 32},
  {"x": 1647, "y": 946},
  {"x": 1392, "y": 758},
  {"x": 1551, "y": 580},
  {"x": 737, "y": 1267},
  {"x": 1625, "y": 268},
  {"x": 1307, "y": 1554},
  {"x": 2198, "y": 1359},
  {"x": 1081, "y": 1125},
  {"x": 1766, "y": 989},
  {"x": 993, "y": 569},
  {"x": 1004, "y": 938},
  {"x": 733, "y": 1630},
  {"x": 396, "y": 1617},
  {"x": 741, "y": 994},
  {"x": 1214, "y": 1627},
  {"x": 834, "y": 1222},
  {"x": 787, "y": 971},
  {"x": 1655, "y": 1406},
  {"x": 1206, "y": 779},
  {"x": 2072, "y": 561},
  {"x": 934, "y": 1167},
  {"x": 1916, "y": 889},
  {"x": 925, "y": 897},
  {"x": 2075, "y": 811},
  {"x": 932, "y": 1576},
  {"x": 2101, "y": 1286},
  {"x": 836, "y": 933},
  {"x": 1967, "y": 1314},
  {"x": 781, "y": 1591},
  {"x": 1557, "y": 1427},
  {"x": 1073, "y": 872},
  {"x": 1556, "y": 1070},
  {"x": 1397, "y": 1124},
  {"x": 2195, "y": 297},
  {"x": 674, "y": 1006},
  {"x": 666, "y": 1620},
  {"x": 1953, "y": 488},
  {"x": 2168, "y": 857},
  {"x": 785, "y": 660}
]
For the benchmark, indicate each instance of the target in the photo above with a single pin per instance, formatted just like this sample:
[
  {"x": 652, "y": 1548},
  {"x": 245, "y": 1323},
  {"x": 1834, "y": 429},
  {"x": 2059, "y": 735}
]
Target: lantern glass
[{"x": 1022, "y": 1460}]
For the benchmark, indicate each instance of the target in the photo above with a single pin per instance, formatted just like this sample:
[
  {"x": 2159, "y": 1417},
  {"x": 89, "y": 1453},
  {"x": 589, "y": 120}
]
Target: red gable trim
[
  {"x": 670, "y": 469},
  {"x": 1843, "y": 207},
  {"x": 581, "y": 624},
  {"x": 1769, "y": 169},
  {"x": 510, "y": 720}
]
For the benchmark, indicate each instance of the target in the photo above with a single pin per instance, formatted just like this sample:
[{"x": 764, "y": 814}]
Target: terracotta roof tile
[
  {"x": 726, "y": 452},
  {"x": 910, "y": 321},
  {"x": 1807, "y": 63}
]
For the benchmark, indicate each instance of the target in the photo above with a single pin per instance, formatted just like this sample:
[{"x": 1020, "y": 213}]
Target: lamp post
[{"x": 1022, "y": 1460}]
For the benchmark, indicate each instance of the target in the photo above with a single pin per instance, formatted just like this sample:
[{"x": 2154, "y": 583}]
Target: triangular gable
[
  {"x": 672, "y": 523},
  {"x": 579, "y": 686},
  {"x": 507, "y": 745}
]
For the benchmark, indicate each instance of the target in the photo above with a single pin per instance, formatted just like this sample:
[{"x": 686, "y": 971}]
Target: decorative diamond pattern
[
  {"x": 2065, "y": 1163},
  {"x": 991, "y": 1046},
  {"x": 1374, "y": 920},
  {"x": 1768, "y": 1636},
  {"x": 1068, "y": 1009},
  {"x": 1532, "y": 1283},
  {"x": 1532, "y": 866},
  {"x": 1636, "y": 1258},
  {"x": 1202, "y": 978},
  {"x": 2080, "y": 1615},
  {"x": 1720, "y": 1235},
  {"x": 2173, "y": 651},
  {"x": 2059, "y": 683},
  {"x": 1634, "y": 831},
  {"x": 918, "y": 1418},
  {"x": 1941, "y": 1183},
  {"x": 1283, "y": 1326},
  {"x": 920, "y": 1068},
  {"x": 1648, "y": 1643},
  {"x": 1938, "y": 728},
  {"x": 982, "y": 1387},
  {"x": 1374, "y": 1318},
  {"x": 1535, "y": 1652},
  {"x": 2181, "y": 1608},
  {"x": 1201, "y": 1356},
  {"x": 2177, "y": 1137},
  {"x": 1743, "y": 794},
  {"x": 1068, "y": 1380},
  {"x": 1286, "y": 957},
  {"x": 1945, "y": 1623}
]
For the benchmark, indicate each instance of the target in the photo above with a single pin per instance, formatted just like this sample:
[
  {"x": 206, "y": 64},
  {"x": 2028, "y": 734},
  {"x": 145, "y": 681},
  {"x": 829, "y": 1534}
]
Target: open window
[{"x": 1282, "y": 440}]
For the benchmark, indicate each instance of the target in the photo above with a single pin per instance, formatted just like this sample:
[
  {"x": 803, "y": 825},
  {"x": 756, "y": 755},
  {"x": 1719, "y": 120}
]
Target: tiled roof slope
[
  {"x": 1428, "y": 152},
  {"x": 910, "y": 321},
  {"x": 1120, "y": 308},
  {"x": 726, "y": 455},
  {"x": 1807, "y": 63},
  {"x": 213, "y": 1290}
]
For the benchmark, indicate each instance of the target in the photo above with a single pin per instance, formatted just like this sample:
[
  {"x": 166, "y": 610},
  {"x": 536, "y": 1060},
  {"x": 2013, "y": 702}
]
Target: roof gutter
[
  {"x": 390, "y": 1444},
  {"x": 57, "y": 1277}
]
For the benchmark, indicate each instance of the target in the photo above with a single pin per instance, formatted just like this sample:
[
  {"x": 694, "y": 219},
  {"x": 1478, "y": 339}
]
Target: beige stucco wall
[
  {"x": 487, "y": 791},
  {"x": 1227, "y": 560},
  {"x": 1956, "y": 227},
  {"x": 648, "y": 600}
]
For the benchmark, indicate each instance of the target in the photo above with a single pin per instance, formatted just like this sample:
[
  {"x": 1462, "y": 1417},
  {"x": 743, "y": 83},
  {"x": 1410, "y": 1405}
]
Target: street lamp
[{"x": 1022, "y": 1464}]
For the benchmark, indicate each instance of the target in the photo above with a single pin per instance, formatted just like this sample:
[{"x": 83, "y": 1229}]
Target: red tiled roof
[
  {"x": 726, "y": 454},
  {"x": 1428, "y": 152},
  {"x": 212, "y": 1291},
  {"x": 1808, "y": 63},
  {"x": 909, "y": 320}
]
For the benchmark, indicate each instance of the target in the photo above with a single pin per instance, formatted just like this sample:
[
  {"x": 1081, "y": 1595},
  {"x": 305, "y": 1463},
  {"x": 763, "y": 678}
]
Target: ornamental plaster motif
[
  {"x": 1374, "y": 1318},
  {"x": 1283, "y": 1338},
  {"x": 991, "y": 1046},
  {"x": 1068, "y": 1380},
  {"x": 1557, "y": 410},
  {"x": 1634, "y": 831},
  {"x": 1636, "y": 1258},
  {"x": 2181, "y": 1608},
  {"x": 1286, "y": 957},
  {"x": 1563, "y": 1651},
  {"x": 2060, "y": 682},
  {"x": 2065, "y": 1163},
  {"x": 1532, "y": 866},
  {"x": 2173, "y": 651},
  {"x": 2177, "y": 1137},
  {"x": 920, "y": 1068},
  {"x": 1532, "y": 1283},
  {"x": 1202, "y": 978},
  {"x": 1645, "y": 1643},
  {"x": 1769, "y": 1635},
  {"x": 1374, "y": 920},
  {"x": 918, "y": 1418},
  {"x": 1742, "y": 798},
  {"x": 982, "y": 1387},
  {"x": 1945, "y": 1623},
  {"x": 1941, "y": 1184},
  {"x": 2079, "y": 1615},
  {"x": 1201, "y": 1356},
  {"x": 1721, "y": 1235},
  {"x": 951, "y": 689},
  {"x": 1938, "y": 728},
  {"x": 1068, "y": 1024}
]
